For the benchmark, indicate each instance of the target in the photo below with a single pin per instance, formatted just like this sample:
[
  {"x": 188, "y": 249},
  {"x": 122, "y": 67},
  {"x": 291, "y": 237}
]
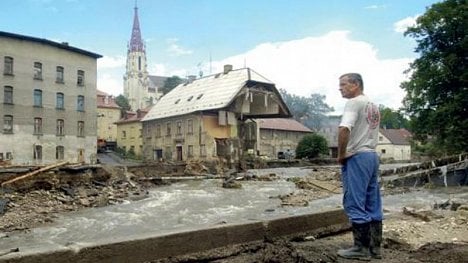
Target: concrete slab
[{"x": 157, "y": 247}]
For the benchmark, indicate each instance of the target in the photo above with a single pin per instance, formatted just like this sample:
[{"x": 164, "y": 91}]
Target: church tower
[{"x": 136, "y": 81}]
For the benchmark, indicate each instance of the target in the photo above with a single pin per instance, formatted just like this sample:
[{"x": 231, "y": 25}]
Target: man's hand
[{"x": 341, "y": 160}]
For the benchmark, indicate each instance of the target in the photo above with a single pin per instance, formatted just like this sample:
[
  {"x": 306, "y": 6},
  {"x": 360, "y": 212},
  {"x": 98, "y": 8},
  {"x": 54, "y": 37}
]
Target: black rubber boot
[
  {"x": 375, "y": 239},
  {"x": 360, "y": 250}
]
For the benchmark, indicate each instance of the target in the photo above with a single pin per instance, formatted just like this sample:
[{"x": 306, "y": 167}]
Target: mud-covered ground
[{"x": 324, "y": 250}]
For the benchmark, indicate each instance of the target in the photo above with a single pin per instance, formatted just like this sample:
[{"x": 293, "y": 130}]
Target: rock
[{"x": 84, "y": 202}]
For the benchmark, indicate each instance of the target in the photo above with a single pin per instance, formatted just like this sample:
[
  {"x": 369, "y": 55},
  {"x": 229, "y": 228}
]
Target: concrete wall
[{"x": 20, "y": 143}]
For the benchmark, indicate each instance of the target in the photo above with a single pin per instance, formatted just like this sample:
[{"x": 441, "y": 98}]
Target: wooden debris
[
  {"x": 423, "y": 215},
  {"x": 325, "y": 186},
  {"x": 34, "y": 173}
]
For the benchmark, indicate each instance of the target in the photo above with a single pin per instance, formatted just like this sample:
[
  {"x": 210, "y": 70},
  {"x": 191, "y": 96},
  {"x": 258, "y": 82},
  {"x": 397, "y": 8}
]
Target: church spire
[{"x": 136, "y": 44}]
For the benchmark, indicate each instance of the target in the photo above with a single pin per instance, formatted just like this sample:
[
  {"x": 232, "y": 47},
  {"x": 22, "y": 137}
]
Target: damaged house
[
  {"x": 279, "y": 137},
  {"x": 48, "y": 101},
  {"x": 209, "y": 118}
]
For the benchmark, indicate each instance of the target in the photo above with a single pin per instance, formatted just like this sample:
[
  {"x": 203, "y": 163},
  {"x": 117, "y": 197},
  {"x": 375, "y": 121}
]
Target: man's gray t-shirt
[{"x": 362, "y": 118}]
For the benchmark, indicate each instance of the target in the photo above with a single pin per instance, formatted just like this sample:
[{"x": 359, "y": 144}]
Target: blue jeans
[{"x": 361, "y": 192}]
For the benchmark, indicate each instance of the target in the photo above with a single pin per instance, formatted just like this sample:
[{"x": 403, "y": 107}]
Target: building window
[
  {"x": 168, "y": 129},
  {"x": 179, "y": 128},
  {"x": 7, "y": 124},
  {"x": 80, "y": 103},
  {"x": 190, "y": 126},
  {"x": 380, "y": 138},
  {"x": 37, "y": 126},
  {"x": 37, "y": 70},
  {"x": 37, "y": 98},
  {"x": 59, "y": 152},
  {"x": 202, "y": 150},
  {"x": 158, "y": 130},
  {"x": 80, "y": 78},
  {"x": 124, "y": 134},
  {"x": 141, "y": 133},
  {"x": 9, "y": 156},
  {"x": 60, "y": 127},
  {"x": 59, "y": 75},
  {"x": 81, "y": 129},
  {"x": 384, "y": 151},
  {"x": 190, "y": 151},
  {"x": 8, "y": 66},
  {"x": 37, "y": 152},
  {"x": 60, "y": 101},
  {"x": 8, "y": 95}
]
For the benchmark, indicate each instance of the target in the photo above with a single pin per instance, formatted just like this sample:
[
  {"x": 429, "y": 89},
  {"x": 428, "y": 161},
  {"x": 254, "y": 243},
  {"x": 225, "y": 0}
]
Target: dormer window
[
  {"x": 190, "y": 98},
  {"x": 177, "y": 101},
  {"x": 199, "y": 96}
]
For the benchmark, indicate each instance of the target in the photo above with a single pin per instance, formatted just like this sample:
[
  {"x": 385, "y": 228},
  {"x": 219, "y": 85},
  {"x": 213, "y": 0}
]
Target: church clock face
[{"x": 140, "y": 75}]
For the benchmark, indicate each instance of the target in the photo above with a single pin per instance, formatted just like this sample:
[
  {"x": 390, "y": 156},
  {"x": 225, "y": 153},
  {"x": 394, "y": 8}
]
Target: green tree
[
  {"x": 392, "y": 119},
  {"x": 311, "y": 146},
  {"x": 122, "y": 101},
  {"x": 171, "y": 83},
  {"x": 308, "y": 110},
  {"x": 437, "y": 91}
]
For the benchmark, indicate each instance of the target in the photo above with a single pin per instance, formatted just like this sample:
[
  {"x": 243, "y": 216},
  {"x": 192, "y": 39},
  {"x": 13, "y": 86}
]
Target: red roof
[
  {"x": 133, "y": 116},
  {"x": 282, "y": 124},
  {"x": 105, "y": 100},
  {"x": 397, "y": 136}
]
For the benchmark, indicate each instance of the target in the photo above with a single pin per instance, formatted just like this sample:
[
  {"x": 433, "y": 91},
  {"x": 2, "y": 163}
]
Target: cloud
[
  {"x": 301, "y": 67},
  {"x": 109, "y": 83},
  {"x": 402, "y": 25},
  {"x": 175, "y": 49},
  {"x": 107, "y": 62},
  {"x": 375, "y": 7},
  {"x": 314, "y": 64}
]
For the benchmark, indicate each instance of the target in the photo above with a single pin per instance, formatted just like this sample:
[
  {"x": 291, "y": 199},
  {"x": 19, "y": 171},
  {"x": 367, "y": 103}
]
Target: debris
[
  {"x": 423, "y": 215},
  {"x": 12, "y": 250},
  {"x": 3, "y": 205},
  {"x": 448, "y": 205},
  {"x": 325, "y": 186},
  {"x": 34, "y": 173}
]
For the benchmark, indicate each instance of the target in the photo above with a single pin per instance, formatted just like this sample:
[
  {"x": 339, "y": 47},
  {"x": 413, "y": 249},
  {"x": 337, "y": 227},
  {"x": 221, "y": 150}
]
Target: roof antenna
[{"x": 210, "y": 62}]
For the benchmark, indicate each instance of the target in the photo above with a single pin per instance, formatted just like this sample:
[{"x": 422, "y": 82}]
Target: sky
[{"x": 303, "y": 46}]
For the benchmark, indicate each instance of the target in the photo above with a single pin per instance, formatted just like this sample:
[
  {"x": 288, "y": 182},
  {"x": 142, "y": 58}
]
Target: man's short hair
[{"x": 354, "y": 78}]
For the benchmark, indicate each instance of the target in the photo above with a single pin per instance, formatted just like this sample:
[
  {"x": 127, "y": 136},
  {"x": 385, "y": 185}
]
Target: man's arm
[{"x": 343, "y": 138}]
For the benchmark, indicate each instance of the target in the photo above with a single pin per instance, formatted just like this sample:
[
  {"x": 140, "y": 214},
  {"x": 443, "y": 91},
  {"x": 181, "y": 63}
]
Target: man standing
[{"x": 357, "y": 139}]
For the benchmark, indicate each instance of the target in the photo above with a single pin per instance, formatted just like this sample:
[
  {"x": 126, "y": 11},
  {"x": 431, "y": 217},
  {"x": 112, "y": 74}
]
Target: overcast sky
[{"x": 301, "y": 45}]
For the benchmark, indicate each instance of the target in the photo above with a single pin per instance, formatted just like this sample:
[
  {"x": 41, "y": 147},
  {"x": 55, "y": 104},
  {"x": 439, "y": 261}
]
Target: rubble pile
[
  {"x": 37, "y": 200},
  {"x": 319, "y": 183},
  {"x": 414, "y": 227}
]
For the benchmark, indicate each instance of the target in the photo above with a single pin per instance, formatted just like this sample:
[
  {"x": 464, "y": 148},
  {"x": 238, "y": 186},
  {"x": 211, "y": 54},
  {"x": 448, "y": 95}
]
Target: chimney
[
  {"x": 191, "y": 78},
  {"x": 227, "y": 68}
]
